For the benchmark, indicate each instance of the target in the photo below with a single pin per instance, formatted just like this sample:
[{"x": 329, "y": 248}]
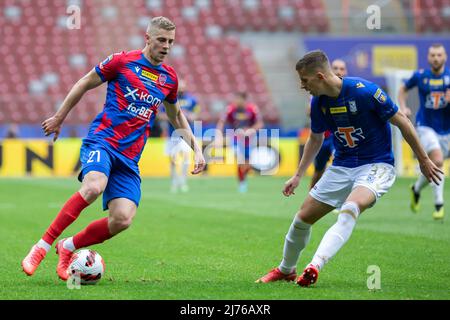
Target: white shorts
[
  {"x": 176, "y": 145},
  {"x": 430, "y": 140},
  {"x": 338, "y": 182}
]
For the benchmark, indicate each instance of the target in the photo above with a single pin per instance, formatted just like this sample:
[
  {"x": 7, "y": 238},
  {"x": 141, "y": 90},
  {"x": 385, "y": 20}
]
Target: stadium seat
[{"x": 215, "y": 68}]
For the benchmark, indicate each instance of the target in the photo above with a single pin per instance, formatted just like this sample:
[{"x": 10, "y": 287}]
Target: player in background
[
  {"x": 138, "y": 82},
  {"x": 244, "y": 117},
  {"x": 176, "y": 148},
  {"x": 432, "y": 120},
  {"x": 339, "y": 67},
  {"x": 358, "y": 113}
]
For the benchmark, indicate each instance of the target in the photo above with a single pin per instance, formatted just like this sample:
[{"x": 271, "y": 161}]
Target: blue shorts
[
  {"x": 123, "y": 174},
  {"x": 324, "y": 155}
]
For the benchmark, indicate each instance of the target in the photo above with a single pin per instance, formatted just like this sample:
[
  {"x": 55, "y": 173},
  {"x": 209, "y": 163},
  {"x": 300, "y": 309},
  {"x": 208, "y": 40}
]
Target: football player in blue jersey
[
  {"x": 432, "y": 120},
  {"x": 339, "y": 67},
  {"x": 358, "y": 113}
]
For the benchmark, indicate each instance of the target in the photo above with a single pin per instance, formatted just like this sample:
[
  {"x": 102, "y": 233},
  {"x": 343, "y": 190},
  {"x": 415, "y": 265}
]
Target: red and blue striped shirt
[{"x": 136, "y": 88}]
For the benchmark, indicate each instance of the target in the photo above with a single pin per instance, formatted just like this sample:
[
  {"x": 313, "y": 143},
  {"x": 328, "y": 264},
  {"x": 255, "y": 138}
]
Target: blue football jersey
[
  {"x": 434, "y": 111},
  {"x": 358, "y": 119}
]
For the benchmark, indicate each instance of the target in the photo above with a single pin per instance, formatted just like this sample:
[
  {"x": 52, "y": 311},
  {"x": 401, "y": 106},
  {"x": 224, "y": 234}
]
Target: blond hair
[{"x": 160, "y": 23}]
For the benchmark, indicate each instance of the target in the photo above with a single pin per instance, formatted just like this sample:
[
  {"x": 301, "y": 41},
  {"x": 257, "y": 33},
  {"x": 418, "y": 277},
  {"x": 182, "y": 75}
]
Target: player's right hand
[
  {"x": 431, "y": 171},
  {"x": 52, "y": 125},
  {"x": 290, "y": 185},
  {"x": 200, "y": 163}
]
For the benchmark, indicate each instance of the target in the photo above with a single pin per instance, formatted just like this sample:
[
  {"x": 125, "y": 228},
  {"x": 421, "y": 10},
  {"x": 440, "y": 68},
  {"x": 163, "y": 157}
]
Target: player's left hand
[
  {"x": 200, "y": 163},
  {"x": 431, "y": 171}
]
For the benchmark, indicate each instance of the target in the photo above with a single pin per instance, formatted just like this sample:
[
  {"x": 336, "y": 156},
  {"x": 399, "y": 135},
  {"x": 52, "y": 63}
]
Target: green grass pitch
[{"x": 213, "y": 243}]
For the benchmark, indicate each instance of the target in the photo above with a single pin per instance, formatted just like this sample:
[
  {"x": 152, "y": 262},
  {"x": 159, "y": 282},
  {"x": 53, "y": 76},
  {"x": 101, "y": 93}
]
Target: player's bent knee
[
  {"x": 91, "y": 191},
  {"x": 121, "y": 219},
  {"x": 118, "y": 225}
]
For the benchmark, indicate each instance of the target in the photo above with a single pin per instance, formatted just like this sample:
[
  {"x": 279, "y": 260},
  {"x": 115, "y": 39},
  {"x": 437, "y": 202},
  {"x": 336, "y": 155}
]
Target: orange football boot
[
  {"x": 277, "y": 275},
  {"x": 33, "y": 259},
  {"x": 63, "y": 261}
]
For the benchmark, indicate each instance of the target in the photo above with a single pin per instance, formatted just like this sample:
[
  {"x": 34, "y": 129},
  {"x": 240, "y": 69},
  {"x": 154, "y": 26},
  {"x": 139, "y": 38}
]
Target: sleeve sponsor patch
[{"x": 380, "y": 96}]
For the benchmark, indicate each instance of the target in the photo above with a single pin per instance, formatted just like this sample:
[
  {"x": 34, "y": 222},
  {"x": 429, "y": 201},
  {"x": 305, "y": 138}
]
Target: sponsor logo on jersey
[
  {"x": 349, "y": 136},
  {"x": 435, "y": 100},
  {"x": 149, "y": 75},
  {"x": 335, "y": 110},
  {"x": 360, "y": 85},
  {"x": 380, "y": 96},
  {"x": 108, "y": 59},
  {"x": 436, "y": 82},
  {"x": 142, "y": 112},
  {"x": 136, "y": 108},
  {"x": 352, "y": 105},
  {"x": 241, "y": 116},
  {"x": 137, "y": 69}
]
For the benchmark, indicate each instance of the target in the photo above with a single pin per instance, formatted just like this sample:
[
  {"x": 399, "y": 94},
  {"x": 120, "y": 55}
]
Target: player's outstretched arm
[
  {"x": 53, "y": 124},
  {"x": 312, "y": 147},
  {"x": 428, "y": 168},
  {"x": 180, "y": 123}
]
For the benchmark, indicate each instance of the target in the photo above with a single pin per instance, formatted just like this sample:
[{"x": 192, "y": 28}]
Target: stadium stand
[
  {"x": 214, "y": 64},
  {"x": 431, "y": 15}
]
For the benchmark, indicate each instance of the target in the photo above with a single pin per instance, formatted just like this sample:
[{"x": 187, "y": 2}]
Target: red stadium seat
[{"x": 214, "y": 68}]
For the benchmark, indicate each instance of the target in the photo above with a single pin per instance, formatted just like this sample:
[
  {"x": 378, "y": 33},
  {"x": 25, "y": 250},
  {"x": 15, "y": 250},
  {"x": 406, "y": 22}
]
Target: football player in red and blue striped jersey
[{"x": 138, "y": 83}]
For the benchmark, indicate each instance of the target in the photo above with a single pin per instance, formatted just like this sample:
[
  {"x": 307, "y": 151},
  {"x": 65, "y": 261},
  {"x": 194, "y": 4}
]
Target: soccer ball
[{"x": 88, "y": 265}]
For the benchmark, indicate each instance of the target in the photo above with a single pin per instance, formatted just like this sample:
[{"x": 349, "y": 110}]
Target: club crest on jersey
[
  {"x": 162, "y": 79},
  {"x": 352, "y": 106},
  {"x": 380, "y": 96}
]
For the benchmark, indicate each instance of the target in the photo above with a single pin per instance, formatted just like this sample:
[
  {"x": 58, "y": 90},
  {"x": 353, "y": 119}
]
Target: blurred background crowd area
[{"x": 221, "y": 47}]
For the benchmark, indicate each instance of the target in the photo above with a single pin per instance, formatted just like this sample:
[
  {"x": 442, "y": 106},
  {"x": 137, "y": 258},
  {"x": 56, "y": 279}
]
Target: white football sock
[
  {"x": 421, "y": 183},
  {"x": 438, "y": 191},
  {"x": 68, "y": 244},
  {"x": 173, "y": 174},
  {"x": 296, "y": 239},
  {"x": 44, "y": 245},
  {"x": 184, "y": 172},
  {"x": 337, "y": 235}
]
